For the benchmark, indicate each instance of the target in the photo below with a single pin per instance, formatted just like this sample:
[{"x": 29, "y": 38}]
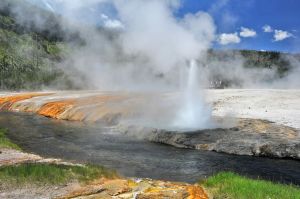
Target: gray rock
[{"x": 249, "y": 137}]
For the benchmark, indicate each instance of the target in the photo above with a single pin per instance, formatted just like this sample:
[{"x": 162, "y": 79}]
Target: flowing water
[{"x": 88, "y": 143}]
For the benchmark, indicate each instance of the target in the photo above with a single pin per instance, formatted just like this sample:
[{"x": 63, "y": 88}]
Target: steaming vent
[{"x": 194, "y": 113}]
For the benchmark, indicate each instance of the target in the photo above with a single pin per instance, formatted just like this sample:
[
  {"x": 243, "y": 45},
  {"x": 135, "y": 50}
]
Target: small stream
[{"x": 88, "y": 143}]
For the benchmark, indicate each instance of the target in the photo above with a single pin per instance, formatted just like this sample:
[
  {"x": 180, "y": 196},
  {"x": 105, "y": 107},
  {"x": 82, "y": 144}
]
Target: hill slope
[
  {"x": 33, "y": 44},
  {"x": 28, "y": 54}
]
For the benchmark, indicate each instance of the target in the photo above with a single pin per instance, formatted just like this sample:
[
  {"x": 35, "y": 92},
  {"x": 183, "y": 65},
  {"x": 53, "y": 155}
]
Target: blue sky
[
  {"x": 282, "y": 17},
  {"x": 231, "y": 15}
]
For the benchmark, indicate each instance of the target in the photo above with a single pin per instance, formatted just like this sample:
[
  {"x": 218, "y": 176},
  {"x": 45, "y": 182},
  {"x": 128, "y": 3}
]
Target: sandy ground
[{"x": 280, "y": 106}]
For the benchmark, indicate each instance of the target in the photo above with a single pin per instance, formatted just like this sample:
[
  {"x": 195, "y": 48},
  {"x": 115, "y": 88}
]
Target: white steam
[
  {"x": 147, "y": 53},
  {"x": 194, "y": 113},
  {"x": 153, "y": 32},
  {"x": 143, "y": 46}
]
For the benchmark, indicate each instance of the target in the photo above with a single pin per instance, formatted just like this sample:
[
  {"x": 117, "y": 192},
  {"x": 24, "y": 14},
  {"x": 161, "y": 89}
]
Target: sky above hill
[
  {"x": 252, "y": 24},
  {"x": 241, "y": 24}
]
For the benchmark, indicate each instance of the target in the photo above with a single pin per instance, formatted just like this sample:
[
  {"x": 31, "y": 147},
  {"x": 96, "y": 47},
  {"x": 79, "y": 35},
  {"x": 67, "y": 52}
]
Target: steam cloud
[
  {"x": 143, "y": 47},
  {"x": 148, "y": 52}
]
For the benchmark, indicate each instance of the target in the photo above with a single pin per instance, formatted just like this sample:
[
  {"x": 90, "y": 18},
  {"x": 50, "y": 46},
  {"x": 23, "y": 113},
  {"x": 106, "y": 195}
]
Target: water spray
[{"x": 194, "y": 112}]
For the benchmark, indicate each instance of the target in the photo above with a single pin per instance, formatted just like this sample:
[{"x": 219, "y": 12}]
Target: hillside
[
  {"x": 29, "y": 55},
  {"x": 233, "y": 68},
  {"x": 33, "y": 44}
]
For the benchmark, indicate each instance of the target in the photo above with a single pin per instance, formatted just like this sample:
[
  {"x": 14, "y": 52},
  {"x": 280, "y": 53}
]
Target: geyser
[
  {"x": 146, "y": 54},
  {"x": 194, "y": 113}
]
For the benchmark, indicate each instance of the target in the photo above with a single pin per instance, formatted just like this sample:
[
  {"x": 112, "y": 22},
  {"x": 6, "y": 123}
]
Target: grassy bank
[
  {"x": 232, "y": 186},
  {"x": 37, "y": 173},
  {"x": 5, "y": 142}
]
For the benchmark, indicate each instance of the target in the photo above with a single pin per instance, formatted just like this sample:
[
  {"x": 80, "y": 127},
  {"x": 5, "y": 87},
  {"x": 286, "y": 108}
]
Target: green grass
[
  {"x": 38, "y": 173},
  {"x": 5, "y": 142},
  {"x": 228, "y": 185}
]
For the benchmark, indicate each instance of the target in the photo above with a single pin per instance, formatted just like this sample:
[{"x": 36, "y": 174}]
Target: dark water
[{"x": 132, "y": 157}]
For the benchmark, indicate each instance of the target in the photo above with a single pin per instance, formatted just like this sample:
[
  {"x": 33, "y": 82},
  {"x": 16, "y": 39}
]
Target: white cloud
[
  {"x": 104, "y": 17},
  {"x": 246, "y": 32},
  {"x": 229, "y": 38},
  {"x": 114, "y": 24},
  {"x": 280, "y": 35},
  {"x": 267, "y": 28},
  {"x": 111, "y": 23}
]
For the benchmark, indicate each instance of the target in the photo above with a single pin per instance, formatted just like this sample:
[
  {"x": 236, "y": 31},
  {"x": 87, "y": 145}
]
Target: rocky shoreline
[{"x": 251, "y": 137}]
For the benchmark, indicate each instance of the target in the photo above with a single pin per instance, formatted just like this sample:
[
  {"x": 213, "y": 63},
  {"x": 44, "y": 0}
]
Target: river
[{"x": 90, "y": 143}]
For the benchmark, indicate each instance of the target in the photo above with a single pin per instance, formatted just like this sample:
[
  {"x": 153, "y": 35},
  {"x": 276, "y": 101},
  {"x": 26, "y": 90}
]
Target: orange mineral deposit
[{"x": 7, "y": 101}]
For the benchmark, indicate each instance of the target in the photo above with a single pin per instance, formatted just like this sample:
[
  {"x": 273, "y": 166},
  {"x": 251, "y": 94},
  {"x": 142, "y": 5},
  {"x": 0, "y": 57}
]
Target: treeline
[
  {"x": 28, "y": 61},
  {"x": 27, "y": 13},
  {"x": 31, "y": 51},
  {"x": 255, "y": 59},
  {"x": 267, "y": 59},
  {"x": 29, "y": 54}
]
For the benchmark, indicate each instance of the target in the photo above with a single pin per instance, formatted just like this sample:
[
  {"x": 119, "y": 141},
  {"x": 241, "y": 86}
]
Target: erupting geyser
[{"x": 194, "y": 113}]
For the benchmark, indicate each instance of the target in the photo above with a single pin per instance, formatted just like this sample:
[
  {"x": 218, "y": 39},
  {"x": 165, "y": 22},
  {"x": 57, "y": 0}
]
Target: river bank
[
  {"x": 31, "y": 176},
  {"x": 28, "y": 175}
]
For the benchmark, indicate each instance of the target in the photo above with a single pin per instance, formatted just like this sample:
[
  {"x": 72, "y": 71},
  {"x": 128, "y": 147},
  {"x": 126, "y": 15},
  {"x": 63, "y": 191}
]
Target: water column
[{"x": 194, "y": 112}]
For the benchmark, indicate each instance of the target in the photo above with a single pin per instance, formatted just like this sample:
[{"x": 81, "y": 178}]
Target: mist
[
  {"x": 147, "y": 52},
  {"x": 141, "y": 46},
  {"x": 150, "y": 51},
  {"x": 232, "y": 70}
]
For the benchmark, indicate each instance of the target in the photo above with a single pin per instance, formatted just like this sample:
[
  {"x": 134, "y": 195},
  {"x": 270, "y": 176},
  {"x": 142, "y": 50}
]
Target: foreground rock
[
  {"x": 136, "y": 188},
  {"x": 248, "y": 137}
]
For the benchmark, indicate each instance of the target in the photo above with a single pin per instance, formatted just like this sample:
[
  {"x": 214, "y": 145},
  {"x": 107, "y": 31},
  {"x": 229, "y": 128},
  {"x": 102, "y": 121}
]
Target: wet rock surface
[
  {"x": 136, "y": 188},
  {"x": 248, "y": 137}
]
